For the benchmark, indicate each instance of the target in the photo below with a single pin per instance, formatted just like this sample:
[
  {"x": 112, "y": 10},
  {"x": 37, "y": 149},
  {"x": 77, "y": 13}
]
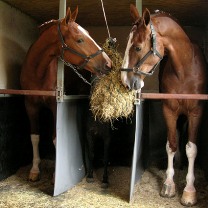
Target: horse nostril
[
  {"x": 108, "y": 64},
  {"x": 127, "y": 86},
  {"x": 107, "y": 67}
]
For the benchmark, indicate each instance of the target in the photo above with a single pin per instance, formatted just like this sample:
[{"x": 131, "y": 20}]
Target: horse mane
[
  {"x": 46, "y": 25},
  {"x": 165, "y": 14},
  {"x": 160, "y": 13}
]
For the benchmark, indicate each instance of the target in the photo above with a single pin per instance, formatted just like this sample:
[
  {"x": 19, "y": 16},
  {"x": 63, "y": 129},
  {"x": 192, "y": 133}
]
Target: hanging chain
[
  {"x": 75, "y": 70},
  {"x": 105, "y": 18}
]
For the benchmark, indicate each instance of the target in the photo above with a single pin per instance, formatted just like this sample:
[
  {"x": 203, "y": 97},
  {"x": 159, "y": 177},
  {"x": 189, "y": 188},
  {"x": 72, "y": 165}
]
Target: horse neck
[
  {"x": 175, "y": 42},
  {"x": 46, "y": 50}
]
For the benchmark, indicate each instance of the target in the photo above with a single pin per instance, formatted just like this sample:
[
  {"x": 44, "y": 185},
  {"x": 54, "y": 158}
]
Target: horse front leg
[
  {"x": 106, "y": 158},
  {"x": 168, "y": 189},
  {"x": 35, "y": 171},
  {"x": 90, "y": 155},
  {"x": 33, "y": 115},
  {"x": 189, "y": 193}
]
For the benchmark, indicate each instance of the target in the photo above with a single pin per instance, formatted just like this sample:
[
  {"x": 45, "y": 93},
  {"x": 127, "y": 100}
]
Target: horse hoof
[
  {"x": 104, "y": 185},
  {"x": 168, "y": 191},
  {"x": 188, "y": 199},
  {"x": 33, "y": 177},
  {"x": 90, "y": 180}
]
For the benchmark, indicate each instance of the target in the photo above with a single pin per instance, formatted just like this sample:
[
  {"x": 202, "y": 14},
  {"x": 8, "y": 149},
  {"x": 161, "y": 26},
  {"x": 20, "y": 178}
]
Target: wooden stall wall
[{"x": 17, "y": 32}]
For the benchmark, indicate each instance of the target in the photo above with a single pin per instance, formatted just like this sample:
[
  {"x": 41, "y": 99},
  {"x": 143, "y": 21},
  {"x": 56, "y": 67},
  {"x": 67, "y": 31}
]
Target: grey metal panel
[
  {"x": 69, "y": 160},
  {"x": 137, "y": 165}
]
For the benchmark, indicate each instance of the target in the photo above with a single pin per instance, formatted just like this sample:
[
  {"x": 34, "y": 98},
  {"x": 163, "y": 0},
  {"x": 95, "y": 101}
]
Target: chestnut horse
[
  {"x": 59, "y": 38},
  {"x": 151, "y": 38}
]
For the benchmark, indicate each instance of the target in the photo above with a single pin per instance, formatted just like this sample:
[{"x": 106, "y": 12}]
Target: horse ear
[
  {"x": 146, "y": 17},
  {"x": 68, "y": 15},
  {"x": 134, "y": 13},
  {"x": 74, "y": 14}
]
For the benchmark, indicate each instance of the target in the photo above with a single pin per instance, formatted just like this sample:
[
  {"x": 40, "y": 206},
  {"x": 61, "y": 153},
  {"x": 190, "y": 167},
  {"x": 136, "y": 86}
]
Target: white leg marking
[
  {"x": 168, "y": 189},
  {"x": 191, "y": 152},
  {"x": 36, "y": 158},
  {"x": 170, "y": 169}
]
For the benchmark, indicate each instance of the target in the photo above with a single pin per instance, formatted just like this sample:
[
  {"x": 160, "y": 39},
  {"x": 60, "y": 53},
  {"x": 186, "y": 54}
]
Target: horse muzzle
[
  {"x": 108, "y": 64},
  {"x": 105, "y": 68},
  {"x": 132, "y": 83}
]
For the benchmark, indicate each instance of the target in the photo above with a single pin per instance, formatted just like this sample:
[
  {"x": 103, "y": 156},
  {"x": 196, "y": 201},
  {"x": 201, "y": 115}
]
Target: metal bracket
[
  {"x": 138, "y": 98},
  {"x": 59, "y": 94}
]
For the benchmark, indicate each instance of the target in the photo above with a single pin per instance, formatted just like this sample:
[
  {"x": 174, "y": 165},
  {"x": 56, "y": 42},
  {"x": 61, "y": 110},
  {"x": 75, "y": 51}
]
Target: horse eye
[
  {"x": 80, "y": 40},
  {"x": 137, "y": 49}
]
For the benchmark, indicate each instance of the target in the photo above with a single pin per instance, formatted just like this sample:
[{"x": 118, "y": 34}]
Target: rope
[{"x": 105, "y": 19}]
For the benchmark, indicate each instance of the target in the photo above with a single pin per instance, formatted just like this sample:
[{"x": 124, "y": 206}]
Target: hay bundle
[{"x": 110, "y": 100}]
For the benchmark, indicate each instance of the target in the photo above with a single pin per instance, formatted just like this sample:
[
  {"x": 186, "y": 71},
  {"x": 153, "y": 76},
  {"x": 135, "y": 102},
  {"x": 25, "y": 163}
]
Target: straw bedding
[
  {"x": 110, "y": 99},
  {"x": 17, "y": 192}
]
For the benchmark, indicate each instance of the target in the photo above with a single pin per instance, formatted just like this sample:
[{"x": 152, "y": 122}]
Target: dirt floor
[{"x": 17, "y": 192}]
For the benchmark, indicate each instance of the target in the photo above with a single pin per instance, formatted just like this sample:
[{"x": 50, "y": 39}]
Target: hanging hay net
[{"x": 110, "y": 100}]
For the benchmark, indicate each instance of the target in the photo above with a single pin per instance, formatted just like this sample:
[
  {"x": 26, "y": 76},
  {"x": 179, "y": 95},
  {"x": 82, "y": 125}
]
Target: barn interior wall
[{"x": 17, "y": 32}]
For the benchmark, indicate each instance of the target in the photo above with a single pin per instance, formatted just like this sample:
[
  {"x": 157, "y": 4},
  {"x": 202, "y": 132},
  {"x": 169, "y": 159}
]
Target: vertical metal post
[
  {"x": 139, "y": 6},
  {"x": 137, "y": 164},
  {"x": 69, "y": 168},
  {"x": 60, "y": 72},
  {"x": 137, "y": 168}
]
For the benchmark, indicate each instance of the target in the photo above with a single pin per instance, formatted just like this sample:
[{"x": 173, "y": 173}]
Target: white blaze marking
[
  {"x": 125, "y": 63},
  {"x": 87, "y": 34}
]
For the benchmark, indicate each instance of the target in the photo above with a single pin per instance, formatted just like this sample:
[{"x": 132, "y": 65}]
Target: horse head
[
  {"x": 78, "y": 48},
  {"x": 143, "y": 52}
]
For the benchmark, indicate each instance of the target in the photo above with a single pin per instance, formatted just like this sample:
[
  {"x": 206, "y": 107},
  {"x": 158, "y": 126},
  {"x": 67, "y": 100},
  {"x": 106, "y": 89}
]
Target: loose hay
[
  {"x": 17, "y": 192},
  {"x": 109, "y": 98}
]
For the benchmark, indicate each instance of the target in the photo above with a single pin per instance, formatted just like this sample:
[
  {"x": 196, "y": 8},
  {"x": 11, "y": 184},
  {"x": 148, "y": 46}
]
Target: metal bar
[
  {"x": 60, "y": 71},
  {"x": 174, "y": 96},
  {"x": 75, "y": 97},
  {"x": 137, "y": 167},
  {"x": 62, "y": 9},
  {"x": 139, "y": 6},
  {"x": 137, "y": 164},
  {"x": 28, "y": 92}
]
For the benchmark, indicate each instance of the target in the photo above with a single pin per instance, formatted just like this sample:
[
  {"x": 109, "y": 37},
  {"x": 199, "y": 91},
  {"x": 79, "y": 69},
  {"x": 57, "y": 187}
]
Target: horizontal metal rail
[
  {"x": 28, "y": 92},
  {"x": 163, "y": 96},
  {"x": 153, "y": 96}
]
